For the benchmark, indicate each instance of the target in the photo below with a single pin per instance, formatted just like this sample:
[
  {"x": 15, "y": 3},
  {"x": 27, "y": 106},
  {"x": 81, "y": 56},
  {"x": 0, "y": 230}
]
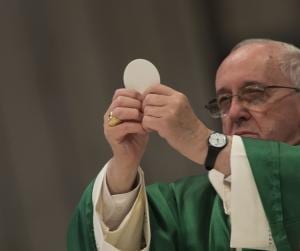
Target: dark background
[{"x": 60, "y": 62}]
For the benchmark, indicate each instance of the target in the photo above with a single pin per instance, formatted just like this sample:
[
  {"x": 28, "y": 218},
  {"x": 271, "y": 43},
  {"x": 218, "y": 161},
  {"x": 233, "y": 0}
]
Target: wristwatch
[{"x": 216, "y": 142}]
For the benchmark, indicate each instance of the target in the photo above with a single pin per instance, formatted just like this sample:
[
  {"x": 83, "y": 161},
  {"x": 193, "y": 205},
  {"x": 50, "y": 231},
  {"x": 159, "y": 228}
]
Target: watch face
[{"x": 217, "y": 139}]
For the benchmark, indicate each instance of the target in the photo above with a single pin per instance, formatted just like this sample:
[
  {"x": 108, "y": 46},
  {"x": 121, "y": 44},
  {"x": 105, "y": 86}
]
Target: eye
[
  {"x": 224, "y": 100},
  {"x": 253, "y": 94}
]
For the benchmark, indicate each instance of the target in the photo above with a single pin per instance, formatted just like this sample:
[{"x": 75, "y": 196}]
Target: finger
[
  {"x": 124, "y": 114},
  {"x": 127, "y": 93},
  {"x": 119, "y": 132},
  {"x": 123, "y": 101},
  {"x": 159, "y": 89},
  {"x": 113, "y": 105},
  {"x": 155, "y": 100},
  {"x": 151, "y": 123},
  {"x": 155, "y": 111}
]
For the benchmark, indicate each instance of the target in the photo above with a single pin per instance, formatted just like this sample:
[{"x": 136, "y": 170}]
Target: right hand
[{"x": 128, "y": 140}]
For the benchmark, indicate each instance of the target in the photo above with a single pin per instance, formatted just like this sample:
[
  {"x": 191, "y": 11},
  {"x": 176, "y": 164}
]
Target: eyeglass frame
[{"x": 263, "y": 87}]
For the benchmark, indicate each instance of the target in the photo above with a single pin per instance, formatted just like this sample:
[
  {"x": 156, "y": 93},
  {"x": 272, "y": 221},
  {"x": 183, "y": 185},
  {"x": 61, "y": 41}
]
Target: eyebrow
[
  {"x": 245, "y": 83},
  {"x": 222, "y": 91}
]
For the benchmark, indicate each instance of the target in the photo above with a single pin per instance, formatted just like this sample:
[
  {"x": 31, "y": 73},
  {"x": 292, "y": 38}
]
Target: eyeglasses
[{"x": 252, "y": 97}]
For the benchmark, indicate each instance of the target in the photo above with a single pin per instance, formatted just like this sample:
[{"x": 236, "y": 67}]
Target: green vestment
[{"x": 188, "y": 215}]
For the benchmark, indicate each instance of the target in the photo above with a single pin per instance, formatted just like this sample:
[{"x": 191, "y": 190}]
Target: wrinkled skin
[{"x": 279, "y": 120}]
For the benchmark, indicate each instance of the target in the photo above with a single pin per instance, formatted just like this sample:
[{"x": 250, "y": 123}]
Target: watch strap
[
  {"x": 212, "y": 153},
  {"x": 211, "y": 157}
]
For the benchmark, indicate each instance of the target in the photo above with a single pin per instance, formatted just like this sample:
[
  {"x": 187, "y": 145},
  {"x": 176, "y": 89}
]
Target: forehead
[{"x": 250, "y": 63}]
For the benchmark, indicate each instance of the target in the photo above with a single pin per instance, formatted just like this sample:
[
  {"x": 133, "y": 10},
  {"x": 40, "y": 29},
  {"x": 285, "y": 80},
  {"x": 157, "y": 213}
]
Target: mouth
[{"x": 247, "y": 134}]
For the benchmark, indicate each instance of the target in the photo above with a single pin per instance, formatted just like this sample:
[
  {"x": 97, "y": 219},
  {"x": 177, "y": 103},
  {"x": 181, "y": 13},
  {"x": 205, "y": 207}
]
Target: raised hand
[
  {"x": 169, "y": 113},
  {"x": 128, "y": 139}
]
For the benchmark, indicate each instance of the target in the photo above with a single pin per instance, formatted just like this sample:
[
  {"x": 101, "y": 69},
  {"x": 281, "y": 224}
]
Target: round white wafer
[{"x": 140, "y": 74}]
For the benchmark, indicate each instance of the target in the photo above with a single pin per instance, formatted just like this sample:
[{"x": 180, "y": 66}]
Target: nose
[
  {"x": 237, "y": 114},
  {"x": 237, "y": 110}
]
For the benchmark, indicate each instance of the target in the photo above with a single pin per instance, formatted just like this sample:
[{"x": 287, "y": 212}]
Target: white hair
[{"x": 288, "y": 60}]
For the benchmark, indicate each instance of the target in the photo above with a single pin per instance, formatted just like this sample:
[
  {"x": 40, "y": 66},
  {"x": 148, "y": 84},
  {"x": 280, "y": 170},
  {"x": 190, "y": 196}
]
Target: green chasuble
[{"x": 188, "y": 215}]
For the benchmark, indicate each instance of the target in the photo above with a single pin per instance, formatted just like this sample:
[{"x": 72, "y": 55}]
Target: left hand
[{"x": 169, "y": 113}]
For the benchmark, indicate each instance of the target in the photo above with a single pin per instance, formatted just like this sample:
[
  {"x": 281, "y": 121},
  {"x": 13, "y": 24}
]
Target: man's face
[{"x": 276, "y": 120}]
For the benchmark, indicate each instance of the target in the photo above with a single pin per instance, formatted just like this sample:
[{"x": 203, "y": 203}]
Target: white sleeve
[
  {"x": 121, "y": 222},
  {"x": 114, "y": 208},
  {"x": 249, "y": 225}
]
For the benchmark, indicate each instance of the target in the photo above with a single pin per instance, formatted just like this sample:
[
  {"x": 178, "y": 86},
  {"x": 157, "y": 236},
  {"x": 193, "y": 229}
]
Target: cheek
[
  {"x": 281, "y": 120},
  {"x": 271, "y": 125},
  {"x": 263, "y": 123}
]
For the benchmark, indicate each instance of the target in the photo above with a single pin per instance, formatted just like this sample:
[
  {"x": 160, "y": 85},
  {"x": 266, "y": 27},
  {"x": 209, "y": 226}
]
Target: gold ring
[{"x": 113, "y": 120}]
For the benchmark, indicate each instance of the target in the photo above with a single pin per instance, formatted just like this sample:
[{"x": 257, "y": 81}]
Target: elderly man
[{"x": 249, "y": 198}]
